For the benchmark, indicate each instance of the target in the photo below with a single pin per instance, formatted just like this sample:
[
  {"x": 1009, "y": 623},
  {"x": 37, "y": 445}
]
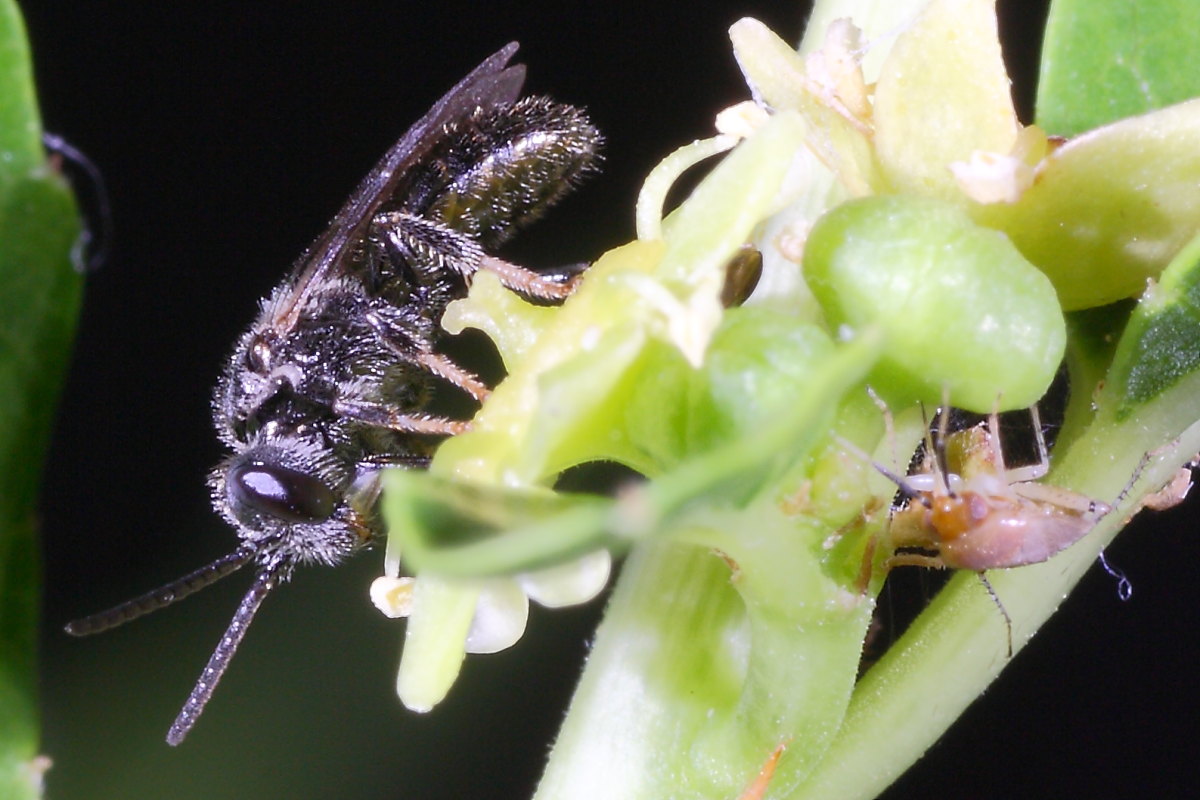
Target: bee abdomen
[{"x": 503, "y": 167}]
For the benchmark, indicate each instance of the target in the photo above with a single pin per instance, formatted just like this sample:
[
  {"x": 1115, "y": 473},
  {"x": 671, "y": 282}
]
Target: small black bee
[{"x": 331, "y": 382}]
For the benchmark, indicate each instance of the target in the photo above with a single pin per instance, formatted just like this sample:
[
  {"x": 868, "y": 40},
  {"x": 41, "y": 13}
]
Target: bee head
[{"x": 292, "y": 496}]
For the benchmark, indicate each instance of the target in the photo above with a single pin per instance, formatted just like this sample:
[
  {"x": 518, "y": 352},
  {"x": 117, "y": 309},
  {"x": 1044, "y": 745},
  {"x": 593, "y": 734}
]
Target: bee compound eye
[{"x": 284, "y": 493}]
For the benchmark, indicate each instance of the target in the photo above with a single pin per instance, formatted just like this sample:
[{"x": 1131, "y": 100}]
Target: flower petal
[
  {"x": 500, "y": 617},
  {"x": 568, "y": 584},
  {"x": 943, "y": 94}
]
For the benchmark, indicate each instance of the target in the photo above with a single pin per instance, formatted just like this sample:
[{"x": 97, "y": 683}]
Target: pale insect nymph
[
  {"x": 332, "y": 382},
  {"x": 965, "y": 508},
  {"x": 968, "y": 510}
]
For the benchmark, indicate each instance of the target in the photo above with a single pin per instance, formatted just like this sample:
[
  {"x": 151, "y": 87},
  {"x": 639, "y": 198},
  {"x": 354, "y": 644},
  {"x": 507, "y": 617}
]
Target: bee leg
[
  {"x": 422, "y": 250},
  {"x": 396, "y": 331},
  {"x": 430, "y": 248},
  {"x": 530, "y": 283},
  {"x": 384, "y": 416},
  {"x": 406, "y": 460},
  {"x": 445, "y": 368}
]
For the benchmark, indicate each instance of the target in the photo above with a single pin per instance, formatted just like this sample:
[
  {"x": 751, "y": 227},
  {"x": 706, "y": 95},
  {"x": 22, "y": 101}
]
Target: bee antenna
[
  {"x": 267, "y": 579},
  {"x": 163, "y": 596}
]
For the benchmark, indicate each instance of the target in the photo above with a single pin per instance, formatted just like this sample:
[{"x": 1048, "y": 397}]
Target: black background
[{"x": 229, "y": 134}]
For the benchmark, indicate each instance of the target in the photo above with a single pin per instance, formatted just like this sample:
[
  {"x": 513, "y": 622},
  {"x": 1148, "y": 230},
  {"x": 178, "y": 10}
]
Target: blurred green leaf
[
  {"x": 39, "y": 298},
  {"x": 1103, "y": 60},
  {"x": 453, "y": 528}
]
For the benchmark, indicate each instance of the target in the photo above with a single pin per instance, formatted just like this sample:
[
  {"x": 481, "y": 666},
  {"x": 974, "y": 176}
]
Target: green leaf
[
  {"x": 39, "y": 298},
  {"x": 451, "y": 528},
  {"x": 1159, "y": 346},
  {"x": 1103, "y": 60}
]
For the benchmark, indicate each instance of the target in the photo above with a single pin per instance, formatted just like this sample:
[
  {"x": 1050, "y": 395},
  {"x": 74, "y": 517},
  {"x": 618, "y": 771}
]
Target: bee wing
[{"x": 490, "y": 84}]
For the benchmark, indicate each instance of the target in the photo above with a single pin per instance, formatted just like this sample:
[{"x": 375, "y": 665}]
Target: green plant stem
[{"x": 699, "y": 672}]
